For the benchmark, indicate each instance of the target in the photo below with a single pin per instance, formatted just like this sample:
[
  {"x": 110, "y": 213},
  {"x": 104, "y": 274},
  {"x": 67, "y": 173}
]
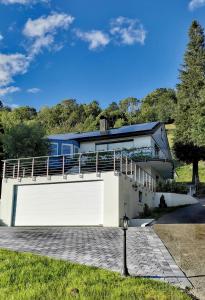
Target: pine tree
[{"x": 192, "y": 81}]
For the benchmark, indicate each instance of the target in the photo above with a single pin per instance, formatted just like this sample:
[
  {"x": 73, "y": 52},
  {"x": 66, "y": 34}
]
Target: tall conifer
[{"x": 192, "y": 81}]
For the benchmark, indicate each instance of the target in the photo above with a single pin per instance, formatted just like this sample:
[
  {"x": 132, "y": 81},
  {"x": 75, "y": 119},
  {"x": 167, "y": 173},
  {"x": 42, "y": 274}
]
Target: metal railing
[
  {"x": 79, "y": 163},
  {"x": 145, "y": 153}
]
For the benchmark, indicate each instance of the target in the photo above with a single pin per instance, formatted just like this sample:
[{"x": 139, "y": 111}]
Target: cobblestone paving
[{"x": 100, "y": 247}]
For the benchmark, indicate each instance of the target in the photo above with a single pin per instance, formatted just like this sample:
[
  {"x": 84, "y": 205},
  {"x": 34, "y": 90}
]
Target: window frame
[
  {"x": 54, "y": 143},
  {"x": 69, "y": 145}
]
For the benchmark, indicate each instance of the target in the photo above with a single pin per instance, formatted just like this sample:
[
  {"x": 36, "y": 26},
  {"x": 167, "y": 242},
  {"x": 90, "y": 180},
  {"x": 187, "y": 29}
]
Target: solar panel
[{"x": 114, "y": 131}]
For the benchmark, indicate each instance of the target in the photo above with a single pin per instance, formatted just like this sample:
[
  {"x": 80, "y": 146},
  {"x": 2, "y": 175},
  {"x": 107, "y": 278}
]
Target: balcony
[
  {"x": 97, "y": 162},
  {"x": 146, "y": 154}
]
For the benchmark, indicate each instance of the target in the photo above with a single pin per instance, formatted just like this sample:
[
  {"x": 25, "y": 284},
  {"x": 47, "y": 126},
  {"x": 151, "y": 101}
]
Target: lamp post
[{"x": 124, "y": 228}]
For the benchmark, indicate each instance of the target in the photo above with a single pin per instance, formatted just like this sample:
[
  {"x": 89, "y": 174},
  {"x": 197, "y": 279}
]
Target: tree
[
  {"x": 159, "y": 105},
  {"x": 192, "y": 81},
  {"x": 25, "y": 140},
  {"x": 129, "y": 108}
]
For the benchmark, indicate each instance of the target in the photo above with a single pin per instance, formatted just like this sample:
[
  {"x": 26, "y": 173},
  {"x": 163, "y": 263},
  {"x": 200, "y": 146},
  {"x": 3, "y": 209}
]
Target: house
[{"x": 89, "y": 178}]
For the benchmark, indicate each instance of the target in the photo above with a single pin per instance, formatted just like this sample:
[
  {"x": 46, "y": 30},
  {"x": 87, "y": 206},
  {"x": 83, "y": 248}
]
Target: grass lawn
[
  {"x": 27, "y": 276},
  {"x": 184, "y": 172},
  {"x": 186, "y": 243}
]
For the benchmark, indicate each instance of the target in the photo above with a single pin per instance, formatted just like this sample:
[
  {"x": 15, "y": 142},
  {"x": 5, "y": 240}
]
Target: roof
[{"x": 137, "y": 129}]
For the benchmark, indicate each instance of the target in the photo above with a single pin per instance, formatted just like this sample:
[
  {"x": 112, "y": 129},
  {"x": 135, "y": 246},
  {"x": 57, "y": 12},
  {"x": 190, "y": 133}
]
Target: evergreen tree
[{"x": 192, "y": 81}]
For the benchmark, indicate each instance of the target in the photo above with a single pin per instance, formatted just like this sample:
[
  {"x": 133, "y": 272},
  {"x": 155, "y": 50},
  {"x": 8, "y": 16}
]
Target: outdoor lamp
[
  {"x": 125, "y": 222},
  {"x": 124, "y": 263}
]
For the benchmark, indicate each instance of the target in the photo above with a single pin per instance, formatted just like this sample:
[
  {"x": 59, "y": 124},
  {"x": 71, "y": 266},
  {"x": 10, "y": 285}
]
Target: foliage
[
  {"x": 24, "y": 140},
  {"x": 192, "y": 81},
  {"x": 27, "y": 276},
  {"x": 146, "y": 210},
  {"x": 159, "y": 105},
  {"x": 171, "y": 187},
  {"x": 162, "y": 203}
]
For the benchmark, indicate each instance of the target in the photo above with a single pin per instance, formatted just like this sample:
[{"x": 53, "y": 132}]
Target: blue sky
[{"x": 104, "y": 50}]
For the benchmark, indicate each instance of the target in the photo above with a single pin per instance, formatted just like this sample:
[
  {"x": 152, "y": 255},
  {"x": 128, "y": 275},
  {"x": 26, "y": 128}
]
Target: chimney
[{"x": 103, "y": 125}]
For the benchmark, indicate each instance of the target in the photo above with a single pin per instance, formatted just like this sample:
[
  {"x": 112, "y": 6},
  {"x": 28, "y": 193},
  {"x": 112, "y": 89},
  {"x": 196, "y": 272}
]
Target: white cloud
[
  {"x": 9, "y": 90},
  {"x": 10, "y": 66},
  {"x": 23, "y": 2},
  {"x": 128, "y": 31},
  {"x": 193, "y": 4},
  {"x": 1, "y": 37},
  {"x": 41, "y": 34},
  {"x": 33, "y": 90},
  {"x": 41, "y": 31},
  {"x": 95, "y": 38}
]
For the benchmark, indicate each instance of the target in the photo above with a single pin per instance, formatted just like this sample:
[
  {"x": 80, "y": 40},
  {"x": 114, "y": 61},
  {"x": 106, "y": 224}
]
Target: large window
[
  {"x": 66, "y": 149},
  {"x": 115, "y": 145},
  {"x": 54, "y": 149}
]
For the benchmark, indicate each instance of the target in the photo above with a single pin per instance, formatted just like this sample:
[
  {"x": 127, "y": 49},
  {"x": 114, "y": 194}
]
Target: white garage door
[{"x": 74, "y": 203}]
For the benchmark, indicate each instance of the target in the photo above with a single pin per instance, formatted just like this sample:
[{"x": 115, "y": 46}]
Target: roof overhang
[{"x": 163, "y": 166}]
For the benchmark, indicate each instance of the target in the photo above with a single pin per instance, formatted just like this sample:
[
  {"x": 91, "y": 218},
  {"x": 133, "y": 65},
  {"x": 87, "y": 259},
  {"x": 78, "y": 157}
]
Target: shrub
[
  {"x": 171, "y": 187},
  {"x": 146, "y": 211},
  {"x": 162, "y": 203}
]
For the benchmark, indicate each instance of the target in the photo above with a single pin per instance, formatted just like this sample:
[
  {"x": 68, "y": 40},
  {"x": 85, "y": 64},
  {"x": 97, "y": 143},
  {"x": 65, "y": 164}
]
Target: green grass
[
  {"x": 184, "y": 172},
  {"x": 31, "y": 277}
]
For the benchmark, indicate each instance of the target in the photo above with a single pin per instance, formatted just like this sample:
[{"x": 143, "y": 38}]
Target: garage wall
[{"x": 110, "y": 194}]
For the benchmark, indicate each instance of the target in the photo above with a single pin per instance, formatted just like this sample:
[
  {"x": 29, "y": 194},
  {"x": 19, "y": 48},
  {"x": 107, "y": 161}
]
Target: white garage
[{"x": 59, "y": 204}]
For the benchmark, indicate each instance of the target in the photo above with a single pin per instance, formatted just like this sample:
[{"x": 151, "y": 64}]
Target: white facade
[
  {"x": 89, "y": 189},
  {"x": 76, "y": 200}
]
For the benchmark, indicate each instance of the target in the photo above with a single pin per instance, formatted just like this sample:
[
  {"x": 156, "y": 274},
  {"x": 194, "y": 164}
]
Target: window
[
  {"x": 118, "y": 145},
  {"x": 66, "y": 149},
  {"x": 156, "y": 150},
  {"x": 53, "y": 149},
  {"x": 140, "y": 196},
  {"x": 76, "y": 149},
  {"x": 101, "y": 147}
]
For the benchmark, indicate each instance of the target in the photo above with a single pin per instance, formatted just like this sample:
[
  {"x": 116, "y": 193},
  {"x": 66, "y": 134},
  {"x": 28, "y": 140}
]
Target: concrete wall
[
  {"x": 129, "y": 197},
  {"x": 120, "y": 195},
  {"x": 173, "y": 199},
  {"x": 110, "y": 194}
]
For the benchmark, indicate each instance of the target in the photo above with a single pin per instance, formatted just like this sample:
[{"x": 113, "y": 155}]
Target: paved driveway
[
  {"x": 192, "y": 214},
  {"x": 101, "y": 247}
]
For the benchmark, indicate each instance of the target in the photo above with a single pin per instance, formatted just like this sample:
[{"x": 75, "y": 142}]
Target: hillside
[{"x": 184, "y": 171}]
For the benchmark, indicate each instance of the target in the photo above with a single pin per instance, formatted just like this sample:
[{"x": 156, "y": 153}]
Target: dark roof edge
[{"x": 113, "y": 136}]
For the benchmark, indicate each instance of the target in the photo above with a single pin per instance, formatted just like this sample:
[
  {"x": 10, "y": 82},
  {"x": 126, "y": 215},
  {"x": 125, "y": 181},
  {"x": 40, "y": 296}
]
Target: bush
[
  {"x": 172, "y": 187},
  {"x": 146, "y": 211},
  {"x": 162, "y": 203}
]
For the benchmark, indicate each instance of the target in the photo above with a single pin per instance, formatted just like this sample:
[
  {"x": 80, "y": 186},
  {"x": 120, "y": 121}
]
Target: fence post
[
  {"x": 4, "y": 170},
  {"x": 114, "y": 157},
  {"x": 139, "y": 175},
  {"x": 97, "y": 159},
  {"x": 32, "y": 168},
  {"x": 121, "y": 162},
  {"x": 47, "y": 171},
  {"x": 18, "y": 169},
  {"x": 14, "y": 170},
  {"x": 79, "y": 163},
  {"x": 135, "y": 172},
  {"x": 63, "y": 167},
  {"x": 131, "y": 167},
  {"x": 126, "y": 166}
]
